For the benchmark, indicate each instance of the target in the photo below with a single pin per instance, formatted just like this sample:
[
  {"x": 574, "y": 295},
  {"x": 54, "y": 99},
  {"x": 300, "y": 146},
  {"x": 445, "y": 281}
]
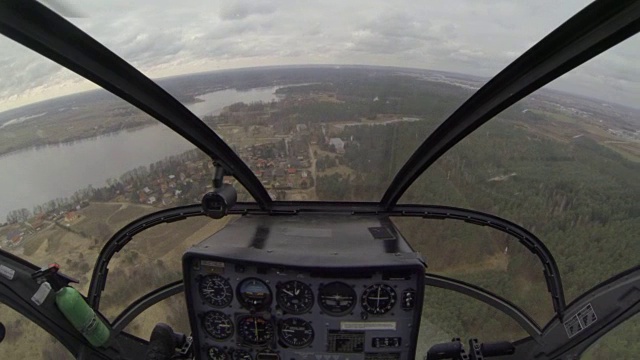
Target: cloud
[
  {"x": 613, "y": 76},
  {"x": 24, "y": 70},
  {"x": 393, "y": 33},
  {"x": 165, "y": 37},
  {"x": 236, "y": 10}
]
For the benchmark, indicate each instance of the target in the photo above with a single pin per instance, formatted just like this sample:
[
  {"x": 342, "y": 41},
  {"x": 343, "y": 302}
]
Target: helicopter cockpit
[{"x": 266, "y": 264}]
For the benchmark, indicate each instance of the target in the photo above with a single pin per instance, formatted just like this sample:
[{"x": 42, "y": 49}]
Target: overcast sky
[{"x": 162, "y": 38}]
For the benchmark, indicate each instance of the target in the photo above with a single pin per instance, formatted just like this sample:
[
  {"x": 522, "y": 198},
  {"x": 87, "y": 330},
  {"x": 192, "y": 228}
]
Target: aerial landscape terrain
[{"x": 562, "y": 166}]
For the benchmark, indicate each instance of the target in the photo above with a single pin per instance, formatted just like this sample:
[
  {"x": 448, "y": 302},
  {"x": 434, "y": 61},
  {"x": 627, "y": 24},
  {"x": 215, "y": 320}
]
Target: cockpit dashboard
[{"x": 322, "y": 287}]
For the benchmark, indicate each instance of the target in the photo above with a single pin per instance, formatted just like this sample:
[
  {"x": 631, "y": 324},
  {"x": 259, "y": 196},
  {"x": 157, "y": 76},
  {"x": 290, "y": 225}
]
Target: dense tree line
[
  {"x": 326, "y": 162},
  {"x": 384, "y": 94},
  {"x": 358, "y": 98}
]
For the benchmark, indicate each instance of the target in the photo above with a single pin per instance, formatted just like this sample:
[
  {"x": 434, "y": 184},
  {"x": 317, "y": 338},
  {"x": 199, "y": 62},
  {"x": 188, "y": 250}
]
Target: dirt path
[
  {"x": 496, "y": 262},
  {"x": 108, "y": 219}
]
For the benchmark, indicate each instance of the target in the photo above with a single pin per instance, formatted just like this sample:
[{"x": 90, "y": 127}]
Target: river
[{"x": 34, "y": 176}]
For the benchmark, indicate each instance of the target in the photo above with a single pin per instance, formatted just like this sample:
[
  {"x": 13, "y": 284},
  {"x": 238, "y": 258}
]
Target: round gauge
[
  {"x": 239, "y": 354},
  {"x": 295, "y": 332},
  {"x": 337, "y": 298},
  {"x": 254, "y": 294},
  {"x": 216, "y": 291},
  {"x": 255, "y": 330},
  {"x": 218, "y": 325},
  {"x": 378, "y": 299},
  {"x": 294, "y": 297},
  {"x": 215, "y": 353}
]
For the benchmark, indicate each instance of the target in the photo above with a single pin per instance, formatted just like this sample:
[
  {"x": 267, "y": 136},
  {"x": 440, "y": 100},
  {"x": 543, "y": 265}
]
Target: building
[
  {"x": 278, "y": 173},
  {"x": 70, "y": 216},
  {"x": 338, "y": 144}
]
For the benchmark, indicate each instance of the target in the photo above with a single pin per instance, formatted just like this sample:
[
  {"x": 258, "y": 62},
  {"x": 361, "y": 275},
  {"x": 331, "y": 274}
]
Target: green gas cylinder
[{"x": 82, "y": 316}]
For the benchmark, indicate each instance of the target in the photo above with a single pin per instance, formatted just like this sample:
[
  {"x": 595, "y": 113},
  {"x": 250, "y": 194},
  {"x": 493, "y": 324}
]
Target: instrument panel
[
  {"x": 244, "y": 316},
  {"x": 283, "y": 307}
]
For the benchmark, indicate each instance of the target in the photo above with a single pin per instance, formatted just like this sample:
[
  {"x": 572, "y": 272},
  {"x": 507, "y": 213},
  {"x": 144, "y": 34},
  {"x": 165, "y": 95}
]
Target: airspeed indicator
[{"x": 216, "y": 291}]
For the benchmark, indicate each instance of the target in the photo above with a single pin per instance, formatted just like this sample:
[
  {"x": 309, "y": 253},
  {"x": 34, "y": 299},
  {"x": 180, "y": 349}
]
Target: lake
[{"x": 34, "y": 176}]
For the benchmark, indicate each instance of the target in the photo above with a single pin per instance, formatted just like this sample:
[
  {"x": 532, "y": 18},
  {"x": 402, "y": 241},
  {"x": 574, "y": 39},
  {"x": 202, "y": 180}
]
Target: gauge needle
[
  {"x": 378, "y": 303},
  {"x": 333, "y": 297},
  {"x": 295, "y": 288},
  {"x": 287, "y": 292},
  {"x": 255, "y": 325}
]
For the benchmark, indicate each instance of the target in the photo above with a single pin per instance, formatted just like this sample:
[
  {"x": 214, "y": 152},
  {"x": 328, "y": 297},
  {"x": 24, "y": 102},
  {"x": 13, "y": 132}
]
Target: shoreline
[{"x": 133, "y": 127}]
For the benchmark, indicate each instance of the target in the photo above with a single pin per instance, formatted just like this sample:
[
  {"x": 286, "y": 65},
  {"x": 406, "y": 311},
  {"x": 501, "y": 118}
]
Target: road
[{"x": 306, "y": 194}]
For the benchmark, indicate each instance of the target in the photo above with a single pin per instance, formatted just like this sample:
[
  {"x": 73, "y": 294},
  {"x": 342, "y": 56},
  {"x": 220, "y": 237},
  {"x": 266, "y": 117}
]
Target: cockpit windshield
[{"x": 310, "y": 132}]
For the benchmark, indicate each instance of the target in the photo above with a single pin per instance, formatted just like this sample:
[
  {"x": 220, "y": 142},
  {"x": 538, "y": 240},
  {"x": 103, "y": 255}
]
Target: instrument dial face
[
  {"x": 378, "y": 299},
  {"x": 218, "y": 325},
  {"x": 296, "y": 332},
  {"x": 239, "y": 354},
  {"x": 216, "y": 291},
  {"x": 337, "y": 298},
  {"x": 255, "y": 330},
  {"x": 216, "y": 353},
  {"x": 254, "y": 294},
  {"x": 294, "y": 297}
]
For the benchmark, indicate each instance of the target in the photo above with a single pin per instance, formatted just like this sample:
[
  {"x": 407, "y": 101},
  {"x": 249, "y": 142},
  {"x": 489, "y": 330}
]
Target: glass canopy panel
[
  {"x": 171, "y": 311},
  {"x": 79, "y": 167},
  {"x": 26, "y": 340},
  {"x": 619, "y": 343},
  {"x": 354, "y": 65},
  {"x": 449, "y": 314},
  {"x": 564, "y": 163},
  {"x": 151, "y": 259},
  {"x": 483, "y": 257}
]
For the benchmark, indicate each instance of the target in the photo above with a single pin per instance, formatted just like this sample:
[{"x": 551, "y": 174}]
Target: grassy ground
[
  {"x": 26, "y": 340},
  {"x": 126, "y": 213}
]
